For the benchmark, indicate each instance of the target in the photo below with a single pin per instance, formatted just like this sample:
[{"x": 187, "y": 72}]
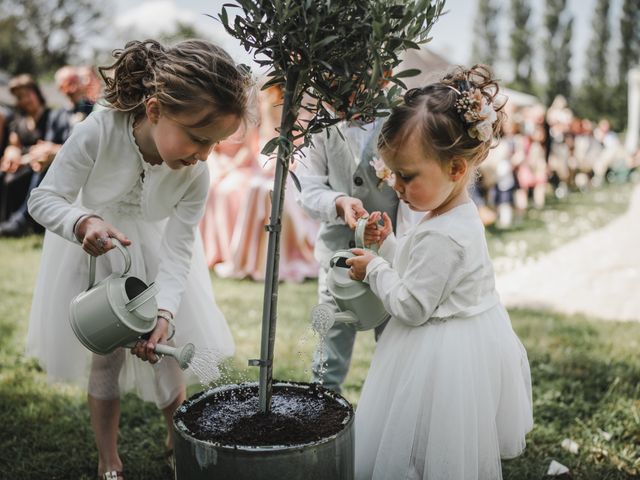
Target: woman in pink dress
[
  {"x": 232, "y": 164},
  {"x": 239, "y": 206}
]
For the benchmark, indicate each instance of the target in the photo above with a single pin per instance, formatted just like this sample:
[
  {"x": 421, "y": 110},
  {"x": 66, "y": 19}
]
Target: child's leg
[
  {"x": 105, "y": 417},
  {"x": 104, "y": 407}
]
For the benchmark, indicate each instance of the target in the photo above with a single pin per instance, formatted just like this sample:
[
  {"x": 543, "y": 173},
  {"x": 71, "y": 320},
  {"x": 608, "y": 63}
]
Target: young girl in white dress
[
  {"x": 135, "y": 171},
  {"x": 448, "y": 393}
]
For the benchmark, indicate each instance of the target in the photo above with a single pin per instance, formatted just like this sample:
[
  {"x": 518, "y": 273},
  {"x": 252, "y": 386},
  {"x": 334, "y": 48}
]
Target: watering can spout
[
  {"x": 323, "y": 317},
  {"x": 183, "y": 355}
]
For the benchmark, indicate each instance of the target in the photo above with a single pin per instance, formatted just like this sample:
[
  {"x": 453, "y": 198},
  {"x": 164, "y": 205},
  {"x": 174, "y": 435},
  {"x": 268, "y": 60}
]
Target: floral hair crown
[{"x": 476, "y": 111}]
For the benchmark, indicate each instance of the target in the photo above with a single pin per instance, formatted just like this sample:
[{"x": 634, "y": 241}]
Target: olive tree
[{"x": 331, "y": 58}]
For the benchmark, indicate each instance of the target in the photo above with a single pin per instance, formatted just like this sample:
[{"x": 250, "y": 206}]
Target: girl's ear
[
  {"x": 458, "y": 169},
  {"x": 152, "y": 109}
]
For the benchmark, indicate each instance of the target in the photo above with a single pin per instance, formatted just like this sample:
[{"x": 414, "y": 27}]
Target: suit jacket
[{"x": 338, "y": 164}]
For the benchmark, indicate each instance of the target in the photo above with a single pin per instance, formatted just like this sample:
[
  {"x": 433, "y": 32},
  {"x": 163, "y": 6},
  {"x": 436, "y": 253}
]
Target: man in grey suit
[{"x": 339, "y": 185}]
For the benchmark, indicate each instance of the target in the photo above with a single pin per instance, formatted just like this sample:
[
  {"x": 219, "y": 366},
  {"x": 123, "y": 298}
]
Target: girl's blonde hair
[
  {"x": 433, "y": 112},
  {"x": 191, "y": 73}
]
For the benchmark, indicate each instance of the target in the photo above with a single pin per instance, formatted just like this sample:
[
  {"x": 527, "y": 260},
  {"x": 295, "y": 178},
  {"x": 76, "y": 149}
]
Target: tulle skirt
[
  {"x": 64, "y": 273},
  {"x": 444, "y": 401}
]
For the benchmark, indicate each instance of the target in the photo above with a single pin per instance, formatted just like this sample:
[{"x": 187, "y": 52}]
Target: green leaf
[
  {"x": 325, "y": 41},
  {"x": 410, "y": 72},
  {"x": 270, "y": 146}
]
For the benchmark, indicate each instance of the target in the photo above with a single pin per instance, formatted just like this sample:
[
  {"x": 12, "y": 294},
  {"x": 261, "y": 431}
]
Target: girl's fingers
[
  {"x": 120, "y": 236},
  {"x": 374, "y": 217},
  {"x": 144, "y": 351}
]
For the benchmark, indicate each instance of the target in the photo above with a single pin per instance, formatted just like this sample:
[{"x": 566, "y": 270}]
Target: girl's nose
[{"x": 203, "y": 153}]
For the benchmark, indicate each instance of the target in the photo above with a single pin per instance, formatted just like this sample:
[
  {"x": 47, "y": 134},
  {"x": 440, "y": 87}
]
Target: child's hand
[
  {"x": 96, "y": 236},
  {"x": 358, "y": 264},
  {"x": 350, "y": 209},
  {"x": 144, "y": 349},
  {"x": 375, "y": 233}
]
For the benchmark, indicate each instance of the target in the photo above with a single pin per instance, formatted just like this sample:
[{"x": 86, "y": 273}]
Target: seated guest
[
  {"x": 5, "y": 119},
  {"x": 35, "y": 136},
  {"x": 69, "y": 82},
  {"x": 239, "y": 206}
]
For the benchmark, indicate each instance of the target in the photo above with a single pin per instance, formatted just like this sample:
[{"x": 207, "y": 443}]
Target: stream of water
[{"x": 206, "y": 365}]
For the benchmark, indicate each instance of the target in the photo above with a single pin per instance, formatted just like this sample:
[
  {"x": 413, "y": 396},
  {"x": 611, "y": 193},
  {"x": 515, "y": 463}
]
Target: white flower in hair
[
  {"x": 483, "y": 131},
  {"x": 487, "y": 112},
  {"x": 383, "y": 172},
  {"x": 477, "y": 113}
]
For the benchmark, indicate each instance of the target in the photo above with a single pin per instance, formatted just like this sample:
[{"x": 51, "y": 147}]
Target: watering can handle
[
  {"x": 359, "y": 234},
  {"x": 92, "y": 262},
  {"x": 144, "y": 297}
]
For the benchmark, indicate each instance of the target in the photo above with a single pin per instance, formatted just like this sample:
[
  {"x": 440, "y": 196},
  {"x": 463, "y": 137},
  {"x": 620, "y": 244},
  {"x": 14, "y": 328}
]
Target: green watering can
[
  {"x": 117, "y": 311},
  {"x": 357, "y": 304}
]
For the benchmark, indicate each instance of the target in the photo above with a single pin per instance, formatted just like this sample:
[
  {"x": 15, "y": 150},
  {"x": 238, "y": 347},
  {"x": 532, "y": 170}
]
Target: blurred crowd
[
  {"x": 31, "y": 133},
  {"x": 543, "y": 152},
  {"x": 547, "y": 152}
]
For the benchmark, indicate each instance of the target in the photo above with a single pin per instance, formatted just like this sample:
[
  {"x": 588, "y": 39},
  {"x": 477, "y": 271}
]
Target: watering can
[
  {"x": 357, "y": 304},
  {"x": 117, "y": 311}
]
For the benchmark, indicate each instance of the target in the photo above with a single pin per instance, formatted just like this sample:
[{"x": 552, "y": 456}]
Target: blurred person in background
[
  {"x": 90, "y": 82},
  {"x": 6, "y": 115},
  {"x": 35, "y": 136},
  {"x": 70, "y": 83},
  {"x": 239, "y": 203},
  {"x": 530, "y": 161}
]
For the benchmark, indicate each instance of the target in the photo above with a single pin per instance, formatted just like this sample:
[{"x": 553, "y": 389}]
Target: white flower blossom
[{"x": 383, "y": 172}]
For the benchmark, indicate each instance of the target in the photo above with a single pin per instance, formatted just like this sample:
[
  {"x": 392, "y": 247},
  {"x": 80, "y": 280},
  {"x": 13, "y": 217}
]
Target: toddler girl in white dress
[{"x": 448, "y": 393}]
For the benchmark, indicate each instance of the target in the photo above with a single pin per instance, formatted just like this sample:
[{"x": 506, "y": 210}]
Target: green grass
[{"x": 586, "y": 372}]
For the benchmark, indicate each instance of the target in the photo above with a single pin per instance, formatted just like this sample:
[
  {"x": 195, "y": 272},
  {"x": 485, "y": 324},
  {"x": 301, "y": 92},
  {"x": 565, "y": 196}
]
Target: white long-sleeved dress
[
  {"x": 448, "y": 392},
  {"x": 100, "y": 170}
]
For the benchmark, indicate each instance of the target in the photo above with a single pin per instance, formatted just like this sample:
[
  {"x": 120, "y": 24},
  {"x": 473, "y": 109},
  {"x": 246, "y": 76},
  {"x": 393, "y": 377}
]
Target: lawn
[{"x": 586, "y": 372}]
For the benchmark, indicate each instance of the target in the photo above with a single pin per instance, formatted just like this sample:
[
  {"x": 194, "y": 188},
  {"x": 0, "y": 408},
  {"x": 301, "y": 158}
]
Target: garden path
[{"x": 597, "y": 274}]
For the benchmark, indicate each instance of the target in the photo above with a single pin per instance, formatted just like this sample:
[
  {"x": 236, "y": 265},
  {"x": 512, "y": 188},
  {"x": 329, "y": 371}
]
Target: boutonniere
[{"x": 383, "y": 172}]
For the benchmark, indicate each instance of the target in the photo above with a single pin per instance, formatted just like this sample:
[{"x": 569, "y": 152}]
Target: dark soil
[{"x": 298, "y": 416}]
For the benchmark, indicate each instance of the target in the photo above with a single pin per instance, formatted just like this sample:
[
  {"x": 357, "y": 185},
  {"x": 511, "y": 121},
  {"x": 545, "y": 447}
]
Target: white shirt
[
  {"x": 98, "y": 165},
  {"x": 440, "y": 269}
]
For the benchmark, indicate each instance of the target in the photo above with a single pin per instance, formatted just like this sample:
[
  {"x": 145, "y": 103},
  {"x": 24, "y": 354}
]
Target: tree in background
[
  {"x": 485, "y": 30},
  {"x": 558, "y": 23},
  {"x": 48, "y": 31},
  {"x": 520, "y": 48},
  {"x": 181, "y": 31},
  {"x": 15, "y": 56},
  {"x": 628, "y": 57},
  {"x": 594, "y": 99}
]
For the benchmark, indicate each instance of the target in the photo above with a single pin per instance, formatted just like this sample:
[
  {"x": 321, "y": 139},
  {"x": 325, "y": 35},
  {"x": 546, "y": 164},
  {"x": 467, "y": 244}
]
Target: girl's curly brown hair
[
  {"x": 191, "y": 73},
  {"x": 431, "y": 112}
]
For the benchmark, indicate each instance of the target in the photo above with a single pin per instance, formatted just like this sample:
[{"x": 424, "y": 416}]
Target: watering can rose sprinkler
[{"x": 118, "y": 311}]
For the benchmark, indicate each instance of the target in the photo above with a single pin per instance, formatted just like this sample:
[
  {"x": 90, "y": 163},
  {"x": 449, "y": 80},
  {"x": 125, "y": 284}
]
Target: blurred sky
[{"x": 452, "y": 34}]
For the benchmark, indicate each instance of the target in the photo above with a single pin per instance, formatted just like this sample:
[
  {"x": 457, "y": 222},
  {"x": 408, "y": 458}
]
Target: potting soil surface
[{"x": 233, "y": 417}]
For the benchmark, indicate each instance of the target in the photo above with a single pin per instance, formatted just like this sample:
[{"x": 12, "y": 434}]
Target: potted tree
[{"x": 331, "y": 59}]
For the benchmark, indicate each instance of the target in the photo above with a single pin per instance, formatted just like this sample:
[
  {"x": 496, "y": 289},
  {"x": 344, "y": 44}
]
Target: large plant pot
[{"x": 205, "y": 424}]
